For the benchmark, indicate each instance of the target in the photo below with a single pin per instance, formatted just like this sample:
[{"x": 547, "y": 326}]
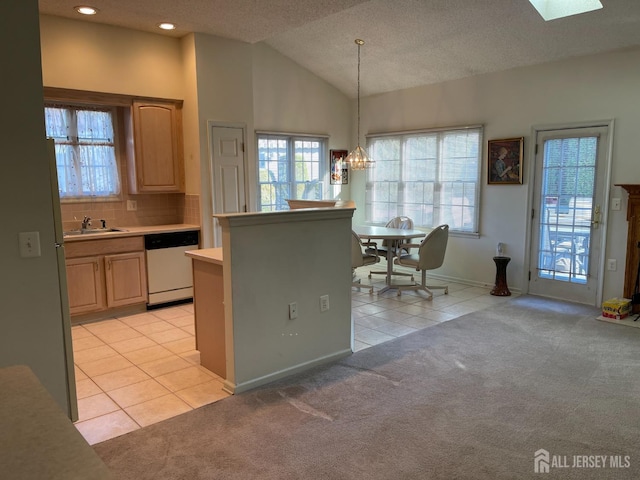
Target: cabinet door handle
[
  {"x": 95, "y": 266},
  {"x": 108, "y": 264}
]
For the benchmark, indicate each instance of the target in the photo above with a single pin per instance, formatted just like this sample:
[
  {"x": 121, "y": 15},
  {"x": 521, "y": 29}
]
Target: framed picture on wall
[
  {"x": 337, "y": 167},
  {"x": 505, "y": 161}
]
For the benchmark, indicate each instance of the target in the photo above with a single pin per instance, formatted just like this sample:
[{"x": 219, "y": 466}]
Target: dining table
[{"x": 393, "y": 235}]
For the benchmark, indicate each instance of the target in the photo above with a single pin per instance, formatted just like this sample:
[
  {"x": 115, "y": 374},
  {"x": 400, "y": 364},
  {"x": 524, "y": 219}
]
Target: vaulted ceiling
[{"x": 408, "y": 42}]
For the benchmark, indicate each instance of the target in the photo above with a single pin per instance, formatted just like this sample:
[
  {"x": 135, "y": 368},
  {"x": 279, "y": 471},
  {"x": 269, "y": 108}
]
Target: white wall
[
  {"x": 32, "y": 328},
  {"x": 289, "y": 98},
  {"x": 225, "y": 96},
  {"x": 271, "y": 260},
  {"x": 509, "y": 104},
  {"x": 91, "y": 56}
]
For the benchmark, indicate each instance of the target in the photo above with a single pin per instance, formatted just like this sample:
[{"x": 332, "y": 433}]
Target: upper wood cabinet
[{"x": 154, "y": 147}]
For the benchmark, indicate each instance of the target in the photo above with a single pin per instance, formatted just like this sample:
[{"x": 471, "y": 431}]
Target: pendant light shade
[{"x": 358, "y": 158}]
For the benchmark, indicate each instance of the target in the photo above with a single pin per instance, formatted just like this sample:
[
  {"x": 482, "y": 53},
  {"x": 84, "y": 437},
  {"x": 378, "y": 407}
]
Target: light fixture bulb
[
  {"x": 167, "y": 26},
  {"x": 358, "y": 159},
  {"x": 86, "y": 10}
]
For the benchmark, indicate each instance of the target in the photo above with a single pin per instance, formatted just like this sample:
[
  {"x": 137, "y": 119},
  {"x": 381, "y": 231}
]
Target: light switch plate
[
  {"x": 615, "y": 204},
  {"x": 29, "y": 244}
]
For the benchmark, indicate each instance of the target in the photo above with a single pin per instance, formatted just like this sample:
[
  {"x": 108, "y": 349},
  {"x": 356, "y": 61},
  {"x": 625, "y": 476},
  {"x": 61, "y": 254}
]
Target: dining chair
[
  {"x": 399, "y": 247},
  {"x": 360, "y": 258},
  {"x": 429, "y": 257}
]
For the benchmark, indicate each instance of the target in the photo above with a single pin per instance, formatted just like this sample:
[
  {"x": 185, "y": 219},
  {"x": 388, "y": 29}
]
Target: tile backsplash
[
  {"x": 192, "y": 209},
  {"x": 156, "y": 209}
]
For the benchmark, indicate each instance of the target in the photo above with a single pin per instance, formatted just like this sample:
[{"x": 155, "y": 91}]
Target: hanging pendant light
[{"x": 358, "y": 158}]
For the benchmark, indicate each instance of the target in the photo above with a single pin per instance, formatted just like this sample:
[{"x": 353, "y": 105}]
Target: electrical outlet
[
  {"x": 29, "y": 244},
  {"x": 612, "y": 264},
  {"x": 293, "y": 311},
  {"x": 324, "y": 303},
  {"x": 615, "y": 204},
  {"x": 132, "y": 205}
]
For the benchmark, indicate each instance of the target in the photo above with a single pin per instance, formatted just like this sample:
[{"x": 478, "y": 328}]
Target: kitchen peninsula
[{"x": 269, "y": 265}]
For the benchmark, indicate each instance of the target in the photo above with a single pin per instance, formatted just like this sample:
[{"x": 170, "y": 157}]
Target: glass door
[{"x": 570, "y": 168}]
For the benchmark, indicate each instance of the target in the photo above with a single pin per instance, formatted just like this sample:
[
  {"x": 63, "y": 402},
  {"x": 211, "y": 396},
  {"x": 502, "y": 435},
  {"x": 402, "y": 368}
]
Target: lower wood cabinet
[
  {"x": 126, "y": 279},
  {"x": 85, "y": 283},
  {"x": 105, "y": 280}
]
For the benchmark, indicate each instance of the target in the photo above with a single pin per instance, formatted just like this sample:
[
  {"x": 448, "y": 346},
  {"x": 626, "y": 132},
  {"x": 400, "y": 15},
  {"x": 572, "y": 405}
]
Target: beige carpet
[{"x": 472, "y": 398}]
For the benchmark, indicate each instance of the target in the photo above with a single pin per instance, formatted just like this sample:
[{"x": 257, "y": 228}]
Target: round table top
[{"x": 388, "y": 233}]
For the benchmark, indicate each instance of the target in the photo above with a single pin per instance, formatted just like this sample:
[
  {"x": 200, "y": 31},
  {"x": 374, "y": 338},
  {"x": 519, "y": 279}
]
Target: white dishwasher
[{"x": 169, "y": 272}]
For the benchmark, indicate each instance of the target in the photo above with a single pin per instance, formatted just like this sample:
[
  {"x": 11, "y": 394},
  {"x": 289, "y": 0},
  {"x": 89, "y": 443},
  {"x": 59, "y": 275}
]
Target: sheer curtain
[
  {"x": 85, "y": 151},
  {"x": 432, "y": 176}
]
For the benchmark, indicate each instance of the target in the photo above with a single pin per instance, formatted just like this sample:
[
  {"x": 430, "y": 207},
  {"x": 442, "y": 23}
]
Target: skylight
[{"x": 552, "y": 9}]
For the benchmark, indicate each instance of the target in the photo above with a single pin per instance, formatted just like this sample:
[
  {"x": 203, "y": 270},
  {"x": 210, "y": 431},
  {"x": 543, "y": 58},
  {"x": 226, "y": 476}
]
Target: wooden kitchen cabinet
[
  {"x": 126, "y": 280},
  {"x": 104, "y": 274},
  {"x": 85, "y": 285},
  {"x": 208, "y": 304},
  {"x": 154, "y": 147}
]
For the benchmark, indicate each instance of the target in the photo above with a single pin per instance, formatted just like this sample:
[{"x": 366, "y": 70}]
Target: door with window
[{"x": 567, "y": 221}]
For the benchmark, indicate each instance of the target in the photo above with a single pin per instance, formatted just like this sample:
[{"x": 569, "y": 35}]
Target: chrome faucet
[{"x": 86, "y": 221}]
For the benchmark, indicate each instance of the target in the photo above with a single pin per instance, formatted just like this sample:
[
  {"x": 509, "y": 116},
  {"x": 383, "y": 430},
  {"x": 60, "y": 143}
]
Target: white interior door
[
  {"x": 568, "y": 212},
  {"x": 228, "y": 171}
]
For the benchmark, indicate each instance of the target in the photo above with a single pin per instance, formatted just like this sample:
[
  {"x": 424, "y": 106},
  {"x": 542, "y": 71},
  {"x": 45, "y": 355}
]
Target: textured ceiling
[{"x": 408, "y": 42}]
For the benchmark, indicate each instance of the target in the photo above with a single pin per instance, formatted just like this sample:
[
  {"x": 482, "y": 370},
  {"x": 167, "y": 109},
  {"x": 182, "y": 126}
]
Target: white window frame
[
  {"x": 290, "y": 186},
  {"x": 455, "y": 201},
  {"x": 71, "y": 139}
]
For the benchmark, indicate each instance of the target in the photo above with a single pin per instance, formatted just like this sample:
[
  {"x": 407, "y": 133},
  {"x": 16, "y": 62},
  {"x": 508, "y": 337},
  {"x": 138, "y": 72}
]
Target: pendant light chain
[
  {"x": 359, "y": 42},
  {"x": 358, "y": 158}
]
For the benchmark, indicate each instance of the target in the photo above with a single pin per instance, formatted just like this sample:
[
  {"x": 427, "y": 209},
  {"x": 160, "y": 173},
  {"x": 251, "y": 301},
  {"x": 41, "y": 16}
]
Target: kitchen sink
[{"x": 92, "y": 231}]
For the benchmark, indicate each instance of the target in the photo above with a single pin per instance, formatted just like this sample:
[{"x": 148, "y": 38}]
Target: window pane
[
  {"x": 431, "y": 176},
  {"x": 290, "y": 168},
  {"x": 94, "y": 127},
  {"x": 85, "y": 151}
]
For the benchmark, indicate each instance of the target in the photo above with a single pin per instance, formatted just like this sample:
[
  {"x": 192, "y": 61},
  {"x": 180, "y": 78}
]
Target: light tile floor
[
  {"x": 380, "y": 318},
  {"x": 138, "y": 370}
]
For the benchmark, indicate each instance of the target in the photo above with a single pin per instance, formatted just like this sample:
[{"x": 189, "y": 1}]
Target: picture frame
[
  {"x": 338, "y": 172},
  {"x": 504, "y": 161}
]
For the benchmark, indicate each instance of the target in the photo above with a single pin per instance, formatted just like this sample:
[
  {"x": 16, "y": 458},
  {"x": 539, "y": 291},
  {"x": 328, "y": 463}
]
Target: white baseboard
[
  {"x": 449, "y": 279},
  {"x": 233, "y": 388}
]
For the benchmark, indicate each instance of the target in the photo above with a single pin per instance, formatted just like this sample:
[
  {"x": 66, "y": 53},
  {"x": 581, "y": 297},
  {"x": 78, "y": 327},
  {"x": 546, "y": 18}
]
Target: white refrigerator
[{"x": 62, "y": 277}]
